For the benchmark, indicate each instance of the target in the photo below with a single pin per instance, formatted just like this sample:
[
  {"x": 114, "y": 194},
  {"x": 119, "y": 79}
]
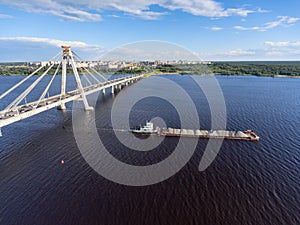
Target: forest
[
  {"x": 284, "y": 68},
  {"x": 236, "y": 68},
  {"x": 291, "y": 68}
]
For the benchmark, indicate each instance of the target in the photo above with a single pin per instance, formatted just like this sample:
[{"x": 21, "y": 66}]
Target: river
[{"x": 247, "y": 183}]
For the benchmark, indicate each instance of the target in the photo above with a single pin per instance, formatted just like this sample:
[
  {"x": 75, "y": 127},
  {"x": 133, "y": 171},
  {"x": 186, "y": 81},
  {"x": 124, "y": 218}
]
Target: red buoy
[{"x": 62, "y": 162}]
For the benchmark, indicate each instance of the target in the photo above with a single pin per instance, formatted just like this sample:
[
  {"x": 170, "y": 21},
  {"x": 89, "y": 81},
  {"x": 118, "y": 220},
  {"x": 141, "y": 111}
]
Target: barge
[{"x": 248, "y": 135}]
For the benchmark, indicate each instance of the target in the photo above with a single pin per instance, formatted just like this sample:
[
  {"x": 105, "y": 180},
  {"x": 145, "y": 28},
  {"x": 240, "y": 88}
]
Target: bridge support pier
[
  {"x": 62, "y": 107},
  {"x": 112, "y": 89}
]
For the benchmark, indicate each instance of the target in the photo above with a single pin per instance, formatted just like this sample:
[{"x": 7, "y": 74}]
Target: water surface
[{"x": 248, "y": 183}]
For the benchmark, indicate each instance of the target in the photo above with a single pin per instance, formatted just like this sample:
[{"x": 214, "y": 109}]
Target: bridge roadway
[{"x": 33, "y": 108}]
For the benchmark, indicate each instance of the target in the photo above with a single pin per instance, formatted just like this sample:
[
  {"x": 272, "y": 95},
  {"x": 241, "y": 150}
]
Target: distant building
[{"x": 82, "y": 64}]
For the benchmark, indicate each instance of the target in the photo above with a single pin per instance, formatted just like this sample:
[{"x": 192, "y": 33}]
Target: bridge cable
[
  {"x": 95, "y": 71},
  {"x": 26, "y": 78},
  {"x": 28, "y": 90},
  {"x": 85, "y": 77},
  {"x": 48, "y": 86},
  {"x": 91, "y": 67},
  {"x": 21, "y": 82},
  {"x": 98, "y": 81}
]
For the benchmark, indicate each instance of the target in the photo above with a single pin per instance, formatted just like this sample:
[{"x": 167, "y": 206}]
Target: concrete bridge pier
[
  {"x": 113, "y": 89},
  {"x": 62, "y": 107}
]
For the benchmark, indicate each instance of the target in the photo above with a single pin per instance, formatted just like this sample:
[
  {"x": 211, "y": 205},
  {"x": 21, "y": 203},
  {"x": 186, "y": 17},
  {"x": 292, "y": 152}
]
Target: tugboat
[{"x": 146, "y": 130}]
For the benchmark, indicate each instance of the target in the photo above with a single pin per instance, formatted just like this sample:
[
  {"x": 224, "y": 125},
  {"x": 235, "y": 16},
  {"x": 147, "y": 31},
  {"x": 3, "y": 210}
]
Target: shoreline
[
  {"x": 166, "y": 73},
  {"x": 253, "y": 75},
  {"x": 229, "y": 75}
]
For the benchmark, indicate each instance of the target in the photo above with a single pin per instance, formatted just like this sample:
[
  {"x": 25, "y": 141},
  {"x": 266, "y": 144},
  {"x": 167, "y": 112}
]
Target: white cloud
[
  {"x": 262, "y": 10},
  {"x": 114, "y": 16},
  {"x": 5, "y": 16},
  {"x": 207, "y": 8},
  {"x": 246, "y": 28},
  {"x": 239, "y": 52},
  {"x": 39, "y": 49},
  {"x": 54, "y": 7},
  {"x": 281, "y": 50},
  {"x": 283, "y": 43},
  {"x": 275, "y": 53},
  {"x": 53, "y": 42},
  {"x": 215, "y": 28},
  {"x": 80, "y": 10},
  {"x": 235, "y": 54},
  {"x": 284, "y": 21},
  {"x": 149, "y": 50},
  {"x": 285, "y": 49}
]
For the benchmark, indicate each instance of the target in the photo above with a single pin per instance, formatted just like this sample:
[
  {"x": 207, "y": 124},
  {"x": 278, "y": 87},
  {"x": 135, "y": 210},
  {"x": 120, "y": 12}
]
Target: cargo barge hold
[{"x": 248, "y": 135}]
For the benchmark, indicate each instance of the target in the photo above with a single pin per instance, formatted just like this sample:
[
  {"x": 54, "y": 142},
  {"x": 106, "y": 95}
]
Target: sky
[{"x": 214, "y": 30}]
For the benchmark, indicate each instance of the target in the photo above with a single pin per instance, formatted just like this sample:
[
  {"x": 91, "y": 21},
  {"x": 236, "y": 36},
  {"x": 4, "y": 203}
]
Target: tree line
[
  {"x": 256, "y": 68},
  {"x": 222, "y": 68}
]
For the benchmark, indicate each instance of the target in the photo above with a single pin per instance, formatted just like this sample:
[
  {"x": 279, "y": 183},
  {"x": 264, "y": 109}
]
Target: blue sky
[{"x": 33, "y": 30}]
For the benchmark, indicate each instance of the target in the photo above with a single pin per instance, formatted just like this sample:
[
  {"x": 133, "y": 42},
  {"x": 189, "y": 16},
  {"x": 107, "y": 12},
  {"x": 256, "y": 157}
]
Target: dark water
[{"x": 248, "y": 182}]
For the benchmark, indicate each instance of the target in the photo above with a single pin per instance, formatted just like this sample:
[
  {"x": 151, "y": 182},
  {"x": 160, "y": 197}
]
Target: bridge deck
[{"x": 30, "y": 109}]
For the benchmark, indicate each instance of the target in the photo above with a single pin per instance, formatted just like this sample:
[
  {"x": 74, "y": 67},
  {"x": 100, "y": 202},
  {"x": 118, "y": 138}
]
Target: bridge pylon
[
  {"x": 20, "y": 108},
  {"x": 68, "y": 56}
]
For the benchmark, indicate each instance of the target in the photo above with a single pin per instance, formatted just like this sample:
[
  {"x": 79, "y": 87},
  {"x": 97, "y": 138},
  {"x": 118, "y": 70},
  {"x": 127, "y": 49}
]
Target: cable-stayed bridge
[{"x": 20, "y": 109}]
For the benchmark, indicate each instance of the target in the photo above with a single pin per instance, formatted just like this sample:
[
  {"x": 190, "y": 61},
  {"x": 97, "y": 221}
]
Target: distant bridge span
[{"x": 15, "y": 111}]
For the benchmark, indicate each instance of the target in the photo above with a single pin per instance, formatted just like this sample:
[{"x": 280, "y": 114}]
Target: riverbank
[
  {"x": 244, "y": 75},
  {"x": 269, "y": 69},
  {"x": 266, "y": 69},
  {"x": 285, "y": 76}
]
